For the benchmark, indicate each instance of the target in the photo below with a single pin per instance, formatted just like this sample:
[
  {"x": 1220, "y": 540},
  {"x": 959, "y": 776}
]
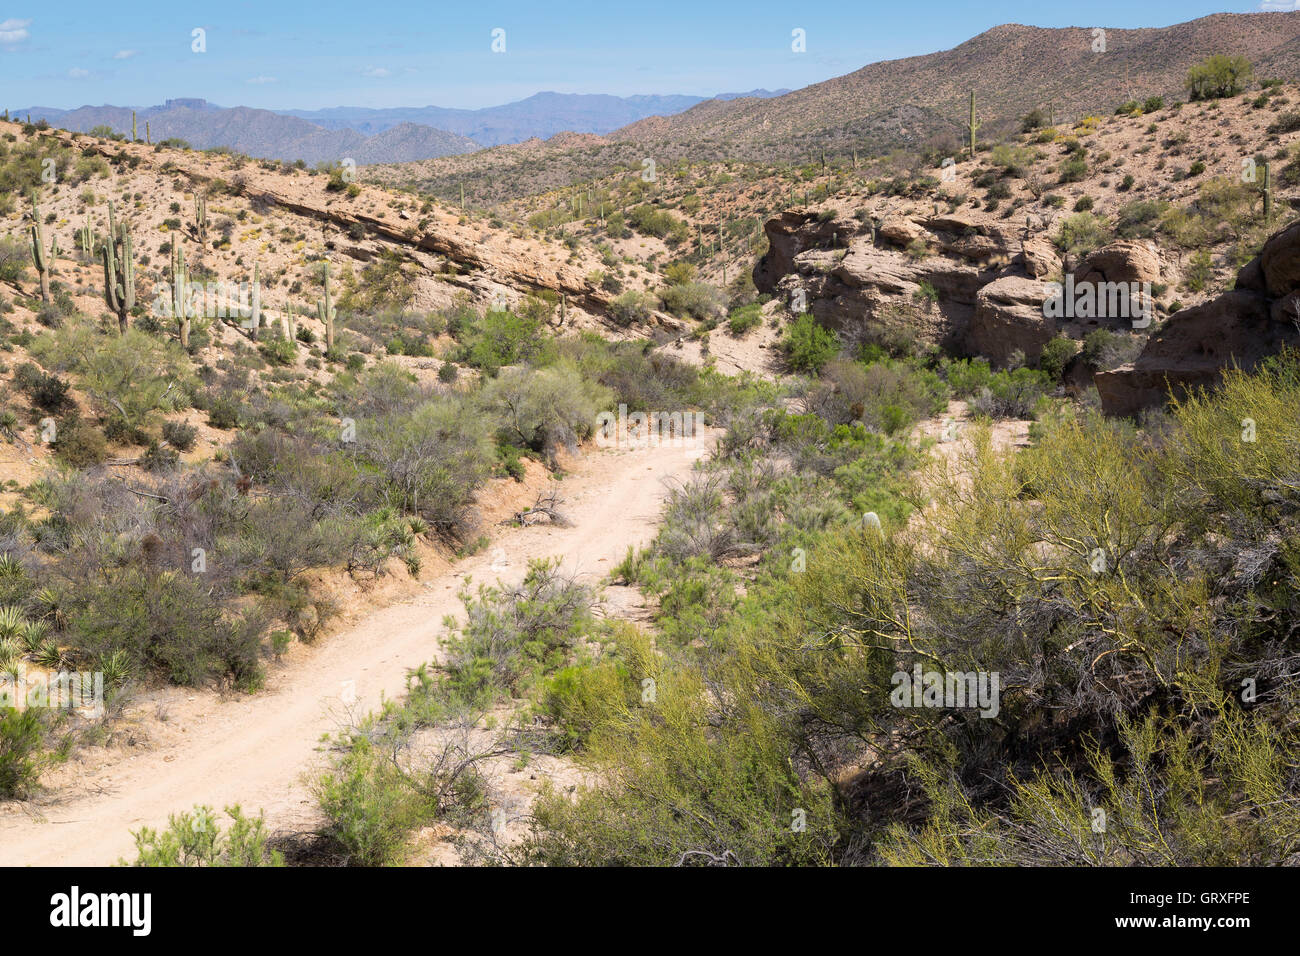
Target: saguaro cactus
[
  {"x": 325, "y": 312},
  {"x": 146, "y": 133},
  {"x": 134, "y": 137},
  {"x": 119, "y": 278},
  {"x": 181, "y": 308},
  {"x": 86, "y": 237},
  {"x": 200, "y": 218},
  {"x": 255, "y": 320},
  {"x": 1268, "y": 193},
  {"x": 972, "y": 125},
  {"x": 287, "y": 324},
  {"x": 39, "y": 255}
]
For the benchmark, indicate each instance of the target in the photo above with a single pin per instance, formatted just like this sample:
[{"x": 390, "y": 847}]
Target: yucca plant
[
  {"x": 52, "y": 609},
  {"x": 116, "y": 668},
  {"x": 34, "y": 634},
  {"x": 12, "y": 621},
  {"x": 9, "y": 566},
  {"x": 49, "y": 655},
  {"x": 10, "y": 656}
]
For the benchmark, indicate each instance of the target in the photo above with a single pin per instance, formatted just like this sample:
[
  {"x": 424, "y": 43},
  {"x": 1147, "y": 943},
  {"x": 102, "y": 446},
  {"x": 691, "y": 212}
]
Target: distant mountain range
[
  {"x": 396, "y": 135},
  {"x": 541, "y": 115}
]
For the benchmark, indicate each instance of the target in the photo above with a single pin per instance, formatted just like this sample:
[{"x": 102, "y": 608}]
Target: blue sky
[{"x": 290, "y": 55}]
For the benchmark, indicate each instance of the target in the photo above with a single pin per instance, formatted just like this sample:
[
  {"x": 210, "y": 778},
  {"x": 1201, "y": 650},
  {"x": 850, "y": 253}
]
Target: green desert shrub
[
  {"x": 809, "y": 345},
  {"x": 1218, "y": 76},
  {"x": 197, "y": 839}
]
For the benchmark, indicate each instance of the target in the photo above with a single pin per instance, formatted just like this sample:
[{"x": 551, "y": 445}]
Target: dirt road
[{"x": 257, "y": 750}]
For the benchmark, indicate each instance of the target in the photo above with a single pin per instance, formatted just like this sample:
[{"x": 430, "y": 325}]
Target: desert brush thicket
[{"x": 1136, "y": 591}]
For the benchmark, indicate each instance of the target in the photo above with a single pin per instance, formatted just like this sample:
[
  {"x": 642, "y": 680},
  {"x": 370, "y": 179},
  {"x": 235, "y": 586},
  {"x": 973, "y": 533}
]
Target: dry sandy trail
[{"x": 256, "y": 750}]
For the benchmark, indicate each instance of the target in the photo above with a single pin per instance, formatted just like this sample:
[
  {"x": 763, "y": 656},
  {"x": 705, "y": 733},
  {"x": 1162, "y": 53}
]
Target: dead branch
[{"x": 547, "y": 506}]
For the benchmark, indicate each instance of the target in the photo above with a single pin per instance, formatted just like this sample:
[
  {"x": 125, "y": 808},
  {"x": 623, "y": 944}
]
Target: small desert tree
[{"x": 1219, "y": 76}]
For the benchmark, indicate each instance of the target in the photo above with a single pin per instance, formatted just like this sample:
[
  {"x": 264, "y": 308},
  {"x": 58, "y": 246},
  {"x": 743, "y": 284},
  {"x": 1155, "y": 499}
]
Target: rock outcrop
[
  {"x": 849, "y": 274},
  {"x": 1242, "y": 327},
  {"x": 1126, "y": 260},
  {"x": 1009, "y": 318}
]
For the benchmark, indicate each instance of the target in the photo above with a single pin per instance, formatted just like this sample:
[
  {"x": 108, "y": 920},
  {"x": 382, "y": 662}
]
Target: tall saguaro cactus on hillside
[
  {"x": 288, "y": 327},
  {"x": 1268, "y": 194},
  {"x": 326, "y": 312},
  {"x": 181, "y": 308},
  {"x": 119, "y": 277},
  {"x": 40, "y": 257},
  {"x": 87, "y": 237},
  {"x": 971, "y": 125},
  {"x": 200, "y": 218},
  {"x": 255, "y": 320}
]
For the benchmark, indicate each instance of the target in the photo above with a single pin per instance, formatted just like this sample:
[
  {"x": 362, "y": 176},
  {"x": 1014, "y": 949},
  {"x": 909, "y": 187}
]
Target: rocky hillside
[
  {"x": 288, "y": 222},
  {"x": 964, "y": 257},
  {"x": 900, "y": 103}
]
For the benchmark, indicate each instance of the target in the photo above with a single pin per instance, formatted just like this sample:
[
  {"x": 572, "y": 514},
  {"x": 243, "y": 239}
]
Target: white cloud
[
  {"x": 14, "y": 31},
  {"x": 1277, "y": 6},
  {"x": 77, "y": 73},
  {"x": 259, "y": 80},
  {"x": 124, "y": 54},
  {"x": 376, "y": 72}
]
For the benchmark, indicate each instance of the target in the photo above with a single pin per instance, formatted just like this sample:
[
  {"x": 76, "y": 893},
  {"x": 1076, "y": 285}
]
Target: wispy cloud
[
  {"x": 1279, "y": 6},
  {"x": 14, "y": 31},
  {"x": 124, "y": 54},
  {"x": 259, "y": 80},
  {"x": 376, "y": 72},
  {"x": 77, "y": 73}
]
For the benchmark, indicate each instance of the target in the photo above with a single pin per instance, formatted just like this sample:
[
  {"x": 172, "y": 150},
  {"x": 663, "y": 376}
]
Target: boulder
[
  {"x": 1128, "y": 260},
  {"x": 788, "y": 235},
  {"x": 961, "y": 236},
  {"x": 899, "y": 230},
  {"x": 1039, "y": 258},
  {"x": 1009, "y": 318},
  {"x": 1240, "y": 328},
  {"x": 1193, "y": 349},
  {"x": 1279, "y": 261}
]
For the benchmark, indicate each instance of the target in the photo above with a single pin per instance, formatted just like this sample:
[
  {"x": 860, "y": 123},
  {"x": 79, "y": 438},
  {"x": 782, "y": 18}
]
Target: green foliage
[
  {"x": 1104, "y": 349},
  {"x": 544, "y": 409},
  {"x": 1011, "y": 393},
  {"x": 20, "y": 742},
  {"x": 513, "y": 633},
  {"x": 631, "y": 308},
  {"x": 130, "y": 376},
  {"x": 808, "y": 344},
  {"x": 1140, "y": 219},
  {"x": 1074, "y": 168},
  {"x": 1081, "y": 233},
  {"x": 696, "y": 300},
  {"x": 745, "y": 318},
  {"x": 497, "y": 339},
  {"x": 1056, "y": 355},
  {"x": 1219, "y": 76},
  {"x": 197, "y": 840},
  {"x": 660, "y": 223}
]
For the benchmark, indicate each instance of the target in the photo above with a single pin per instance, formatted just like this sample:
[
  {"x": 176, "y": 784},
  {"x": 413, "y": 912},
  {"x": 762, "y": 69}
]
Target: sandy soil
[{"x": 259, "y": 750}]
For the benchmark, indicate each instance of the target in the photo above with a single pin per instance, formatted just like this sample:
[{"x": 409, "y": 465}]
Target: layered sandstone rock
[
  {"x": 1009, "y": 318},
  {"x": 1239, "y": 328}
]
